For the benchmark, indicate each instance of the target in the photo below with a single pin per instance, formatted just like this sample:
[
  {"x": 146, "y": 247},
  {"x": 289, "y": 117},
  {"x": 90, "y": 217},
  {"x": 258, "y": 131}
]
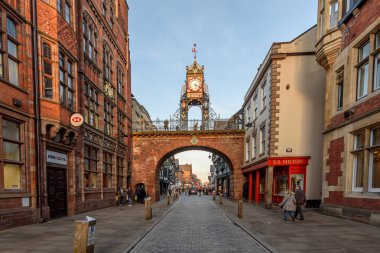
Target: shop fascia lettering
[{"x": 55, "y": 157}]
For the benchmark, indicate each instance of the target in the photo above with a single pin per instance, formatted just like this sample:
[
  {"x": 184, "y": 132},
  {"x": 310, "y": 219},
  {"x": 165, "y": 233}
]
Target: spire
[{"x": 194, "y": 50}]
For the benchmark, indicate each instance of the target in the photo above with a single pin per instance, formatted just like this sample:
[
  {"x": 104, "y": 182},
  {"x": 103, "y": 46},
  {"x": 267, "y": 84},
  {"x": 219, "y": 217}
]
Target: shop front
[{"x": 275, "y": 176}]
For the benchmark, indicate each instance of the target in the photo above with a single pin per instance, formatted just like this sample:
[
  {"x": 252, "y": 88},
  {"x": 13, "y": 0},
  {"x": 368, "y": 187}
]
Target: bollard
[
  {"x": 168, "y": 200},
  {"x": 221, "y": 199},
  {"x": 148, "y": 209},
  {"x": 213, "y": 195},
  {"x": 240, "y": 209},
  {"x": 84, "y": 235}
]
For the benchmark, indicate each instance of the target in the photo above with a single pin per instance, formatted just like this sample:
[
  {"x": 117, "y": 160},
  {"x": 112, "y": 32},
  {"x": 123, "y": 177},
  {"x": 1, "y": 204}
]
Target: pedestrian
[
  {"x": 138, "y": 193},
  {"x": 300, "y": 200},
  {"x": 288, "y": 205},
  {"x": 129, "y": 196},
  {"x": 122, "y": 196}
]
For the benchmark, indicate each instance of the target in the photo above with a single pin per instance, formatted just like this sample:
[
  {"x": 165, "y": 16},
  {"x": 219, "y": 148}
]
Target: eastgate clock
[{"x": 194, "y": 84}]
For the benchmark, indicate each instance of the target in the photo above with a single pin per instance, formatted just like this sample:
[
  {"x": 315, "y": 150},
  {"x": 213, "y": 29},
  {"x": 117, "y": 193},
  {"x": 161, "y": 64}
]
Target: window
[
  {"x": 47, "y": 71},
  {"x": 120, "y": 171},
  {"x": 64, "y": 8},
  {"x": 247, "y": 150},
  {"x": 358, "y": 152},
  {"x": 90, "y": 167},
  {"x": 322, "y": 20},
  {"x": 254, "y": 147},
  {"x": 11, "y": 165},
  {"x": 91, "y": 106},
  {"x": 263, "y": 96},
  {"x": 374, "y": 163},
  {"x": 104, "y": 9},
  {"x": 108, "y": 118},
  {"x": 333, "y": 13},
  {"x": 107, "y": 63},
  {"x": 120, "y": 127},
  {"x": 12, "y": 50},
  {"x": 107, "y": 170},
  {"x": 256, "y": 105},
  {"x": 248, "y": 114},
  {"x": 111, "y": 17},
  {"x": 339, "y": 82},
  {"x": 376, "y": 72},
  {"x": 262, "y": 140},
  {"x": 66, "y": 81},
  {"x": 362, "y": 85},
  {"x": 120, "y": 80},
  {"x": 349, "y": 4},
  {"x": 90, "y": 37}
]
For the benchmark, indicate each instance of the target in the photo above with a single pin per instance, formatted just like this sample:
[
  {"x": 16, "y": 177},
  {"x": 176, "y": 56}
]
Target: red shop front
[{"x": 288, "y": 172}]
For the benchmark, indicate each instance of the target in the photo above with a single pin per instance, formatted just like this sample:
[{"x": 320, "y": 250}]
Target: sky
[{"x": 232, "y": 36}]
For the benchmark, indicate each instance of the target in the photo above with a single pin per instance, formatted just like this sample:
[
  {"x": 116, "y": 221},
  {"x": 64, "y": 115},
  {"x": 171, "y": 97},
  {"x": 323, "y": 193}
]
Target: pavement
[{"x": 125, "y": 229}]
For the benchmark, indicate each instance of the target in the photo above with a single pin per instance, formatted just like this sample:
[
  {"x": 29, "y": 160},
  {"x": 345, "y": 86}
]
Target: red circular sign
[{"x": 76, "y": 119}]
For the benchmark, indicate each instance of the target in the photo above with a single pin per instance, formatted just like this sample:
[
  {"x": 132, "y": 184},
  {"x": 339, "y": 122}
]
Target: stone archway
[{"x": 152, "y": 148}]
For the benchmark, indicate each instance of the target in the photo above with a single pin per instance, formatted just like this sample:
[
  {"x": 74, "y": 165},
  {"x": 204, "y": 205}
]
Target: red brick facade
[
  {"x": 151, "y": 149},
  {"x": 337, "y": 198},
  {"x": 83, "y": 67},
  {"x": 335, "y": 161}
]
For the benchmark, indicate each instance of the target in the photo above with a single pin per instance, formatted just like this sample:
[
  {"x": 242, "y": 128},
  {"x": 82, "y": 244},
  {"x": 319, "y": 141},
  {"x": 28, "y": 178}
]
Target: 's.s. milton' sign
[
  {"x": 287, "y": 161},
  {"x": 55, "y": 157}
]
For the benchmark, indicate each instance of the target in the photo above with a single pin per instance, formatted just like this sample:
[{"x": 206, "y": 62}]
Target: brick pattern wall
[
  {"x": 335, "y": 161},
  {"x": 362, "y": 109},
  {"x": 337, "y": 198},
  {"x": 368, "y": 13}
]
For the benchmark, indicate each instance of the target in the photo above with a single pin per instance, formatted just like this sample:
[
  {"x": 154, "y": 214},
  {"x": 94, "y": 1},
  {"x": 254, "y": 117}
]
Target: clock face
[{"x": 195, "y": 84}]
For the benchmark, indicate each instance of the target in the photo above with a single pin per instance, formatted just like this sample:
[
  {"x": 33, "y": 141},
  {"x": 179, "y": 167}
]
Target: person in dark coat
[{"x": 300, "y": 200}]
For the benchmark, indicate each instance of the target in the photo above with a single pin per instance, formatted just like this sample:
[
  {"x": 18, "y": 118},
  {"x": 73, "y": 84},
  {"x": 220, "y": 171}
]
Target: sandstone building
[
  {"x": 348, "y": 48},
  {"x": 283, "y": 119}
]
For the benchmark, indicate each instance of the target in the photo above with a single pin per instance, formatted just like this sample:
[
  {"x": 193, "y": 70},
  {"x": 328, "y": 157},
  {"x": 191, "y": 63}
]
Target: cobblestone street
[{"x": 195, "y": 224}]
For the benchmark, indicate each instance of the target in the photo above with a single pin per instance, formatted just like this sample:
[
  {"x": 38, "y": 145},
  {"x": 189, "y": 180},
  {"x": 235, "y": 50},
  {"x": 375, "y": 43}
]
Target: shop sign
[
  {"x": 287, "y": 161},
  {"x": 55, "y": 157},
  {"x": 76, "y": 119}
]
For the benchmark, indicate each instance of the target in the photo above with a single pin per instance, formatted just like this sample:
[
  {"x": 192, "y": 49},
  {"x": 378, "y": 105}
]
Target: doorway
[{"x": 56, "y": 189}]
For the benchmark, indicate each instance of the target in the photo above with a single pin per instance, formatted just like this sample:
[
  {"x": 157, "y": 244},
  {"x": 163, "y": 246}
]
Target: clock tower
[{"x": 195, "y": 93}]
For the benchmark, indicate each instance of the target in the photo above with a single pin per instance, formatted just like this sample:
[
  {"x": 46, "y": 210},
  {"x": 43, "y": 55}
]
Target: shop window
[
  {"x": 358, "y": 152},
  {"x": 107, "y": 170},
  {"x": 362, "y": 67},
  {"x": 11, "y": 163},
  {"x": 374, "y": 163},
  {"x": 91, "y": 106},
  {"x": 90, "y": 167}
]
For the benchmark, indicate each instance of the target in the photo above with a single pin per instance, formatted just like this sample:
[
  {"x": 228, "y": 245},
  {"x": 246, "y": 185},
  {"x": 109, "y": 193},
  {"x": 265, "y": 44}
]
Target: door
[{"x": 56, "y": 184}]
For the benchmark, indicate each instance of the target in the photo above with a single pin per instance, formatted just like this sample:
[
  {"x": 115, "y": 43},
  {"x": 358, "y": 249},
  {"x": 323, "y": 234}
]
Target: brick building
[
  {"x": 18, "y": 201},
  {"x": 82, "y": 53},
  {"x": 348, "y": 48}
]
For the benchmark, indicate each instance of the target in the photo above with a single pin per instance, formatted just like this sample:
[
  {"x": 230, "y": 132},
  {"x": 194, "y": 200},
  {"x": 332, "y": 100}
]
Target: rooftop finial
[{"x": 194, "y": 50}]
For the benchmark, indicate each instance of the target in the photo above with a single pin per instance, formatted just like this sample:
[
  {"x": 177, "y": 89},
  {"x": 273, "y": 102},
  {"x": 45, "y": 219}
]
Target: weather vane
[{"x": 194, "y": 50}]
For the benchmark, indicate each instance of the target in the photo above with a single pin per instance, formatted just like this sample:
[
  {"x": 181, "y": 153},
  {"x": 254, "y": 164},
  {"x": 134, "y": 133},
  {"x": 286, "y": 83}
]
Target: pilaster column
[{"x": 268, "y": 187}]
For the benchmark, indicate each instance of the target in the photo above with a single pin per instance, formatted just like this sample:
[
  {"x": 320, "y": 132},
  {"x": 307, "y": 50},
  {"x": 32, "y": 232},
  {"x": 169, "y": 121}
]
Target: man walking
[{"x": 300, "y": 200}]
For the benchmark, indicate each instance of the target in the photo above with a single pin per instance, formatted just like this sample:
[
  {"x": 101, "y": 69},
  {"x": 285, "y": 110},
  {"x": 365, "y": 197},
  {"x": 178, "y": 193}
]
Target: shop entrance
[{"x": 56, "y": 189}]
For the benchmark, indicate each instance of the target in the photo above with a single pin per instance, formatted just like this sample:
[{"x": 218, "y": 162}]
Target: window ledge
[{"x": 14, "y": 86}]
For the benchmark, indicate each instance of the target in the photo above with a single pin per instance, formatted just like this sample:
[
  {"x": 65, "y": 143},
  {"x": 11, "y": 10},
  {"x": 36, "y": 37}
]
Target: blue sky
[{"x": 233, "y": 37}]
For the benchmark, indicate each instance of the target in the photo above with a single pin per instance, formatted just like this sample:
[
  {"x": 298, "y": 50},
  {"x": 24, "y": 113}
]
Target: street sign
[{"x": 76, "y": 119}]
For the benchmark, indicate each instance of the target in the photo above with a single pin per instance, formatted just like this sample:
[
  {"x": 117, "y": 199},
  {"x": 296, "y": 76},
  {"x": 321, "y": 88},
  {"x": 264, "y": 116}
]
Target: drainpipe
[{"x": 37, "y": 108}]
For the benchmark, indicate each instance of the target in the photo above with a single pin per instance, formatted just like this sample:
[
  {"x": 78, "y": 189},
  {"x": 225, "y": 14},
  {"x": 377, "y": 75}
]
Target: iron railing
[{"x": 190, "y": 125}]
